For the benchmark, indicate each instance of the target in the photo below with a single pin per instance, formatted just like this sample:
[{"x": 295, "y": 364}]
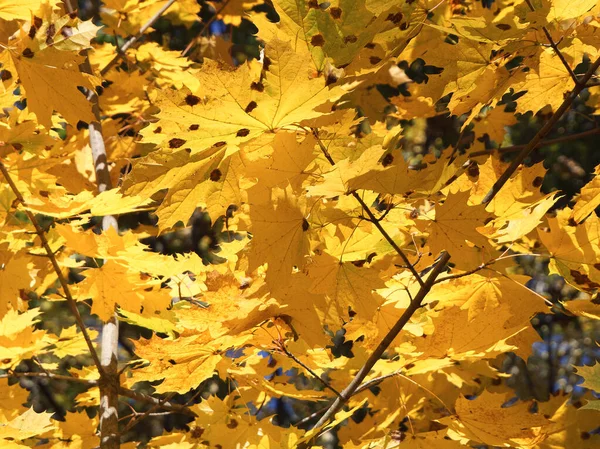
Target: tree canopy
[{"x": 377, "y": 287}]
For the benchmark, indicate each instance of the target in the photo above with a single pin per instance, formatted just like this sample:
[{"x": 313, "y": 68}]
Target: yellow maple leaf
[
  {"x": 484, "y": 420},
  {"x": 234, "y": 106}
]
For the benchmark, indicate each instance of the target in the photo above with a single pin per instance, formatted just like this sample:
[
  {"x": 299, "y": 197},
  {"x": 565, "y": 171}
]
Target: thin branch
[
  {"x": 541, "y": 133},
  {"x": 554, "y": 46},
  {"x": 61, "y": 278},
  {"x": 133, "y": 39},
  {"x": 326, "y": 384},
  {"x": 543, "y": 143},
  {"x": 88, "y": 382},
  {"x": 69, "y": 7},
  {"x": 386, "y": 342},
  {"x": 137, "y": 417},
  {"x": 178, "y": 408},
  {"x": 205, "y": 26},
  {"x": 372, "y": 217}
]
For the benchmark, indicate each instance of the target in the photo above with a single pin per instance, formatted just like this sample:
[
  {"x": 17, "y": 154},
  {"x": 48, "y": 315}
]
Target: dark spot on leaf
[
  {"x": 317, "y": 40},
  {"x": 374, "y": 60},
  {"x": 395, "y": 18},
  {"x": 44, "y": 193},
  {"x": 242, "y": 132},
  {"x": 172, "y": 362},
  {"x": 387, "y": 160},
  {"x": 82, "y": 125},
  {"x": 313, "y": 4},
  {"x": 215, "y": 175},
  {"x": 487, "y": 220},
  {"x": 192, "y": 100},
  {"x": 176, "y": 143},
  {"x": 350, "y": 39},
  {"x": 17, "y": 146},
  {"x": 370, "y": 45},
  {"x": 219, "y": 144},
  {"x": 335, "y": 12},
  {"x": 251, "y": 106},
  {"x": 305, "y": 225},
  {"x": 503, "y": 26},
  {"x": 197, "y": 432},
  {"x": 577, "y": 404},
  {"x": 28, "y": 53},
  {"x": 584, "y": 435},
  {"x": 537, "y": 182},
  {"x": 572, "y": 222},
  {"x": 73, "y": 15},
  {"x": 32, "y": 32},
  {"x": 404, "y": 26},
  {"x": 473, "y": 170},
  {"x": 257, "y": 86},
  {"x": 409, "y": 366},
  {"x": 414, "y": 214},
  {"x": 187, "y": 150},
  {"x": 158, "y": 130},
  {"x": 232, "y": 424},
  {"x": 266, "y": 63},
  {"x": 6, "y": 361},
  {"x": 37, "y": 22},
  {"x": 5, "y": 75},
  {"x": 194, "y": 127},
  {"x": 358, "y": 263}
]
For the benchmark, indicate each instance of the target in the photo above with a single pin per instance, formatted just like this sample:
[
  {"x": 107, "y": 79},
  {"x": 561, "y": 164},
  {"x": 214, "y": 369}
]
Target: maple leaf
[
  {"x": 234, "y": 106},
  {"x": 485, "y": 421}
]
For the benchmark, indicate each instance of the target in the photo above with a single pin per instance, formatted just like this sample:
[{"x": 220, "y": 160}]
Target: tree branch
[
  {"x": 414, "y": 305},
  {"x": 514, "y": 148},
  {"x": 178, "y": 408},
  {"x": 88, "y": 382},
  {"x": 555, "y": 47},
  {"x": 326, "y": 384},
  {"x": 133, "y": 39},
  {"x": 541, "y": 133},
  {"x": 372, "y": 217},
  {"x": 61, "y": 278}
]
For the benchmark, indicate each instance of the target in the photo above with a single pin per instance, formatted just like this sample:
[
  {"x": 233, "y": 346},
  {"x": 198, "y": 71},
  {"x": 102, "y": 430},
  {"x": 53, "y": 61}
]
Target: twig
[
  {"x": 61, "y": 279},
  {"x": 555, "y": 47},
  {"x": 88, "y": 382},
  {"x": 541, "y": 133},
  {"x": 133, "y": 39},
  {"x": 178, "y": 408},
  {"x": 326, "y": 384},
  {"x": 372, "y": 218},
  {"x": 386, "y": 342},
  {"x": 543, "y": 143},
  {"x": 205, "y": 26},
  {"x": 137, "y": 417}
]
